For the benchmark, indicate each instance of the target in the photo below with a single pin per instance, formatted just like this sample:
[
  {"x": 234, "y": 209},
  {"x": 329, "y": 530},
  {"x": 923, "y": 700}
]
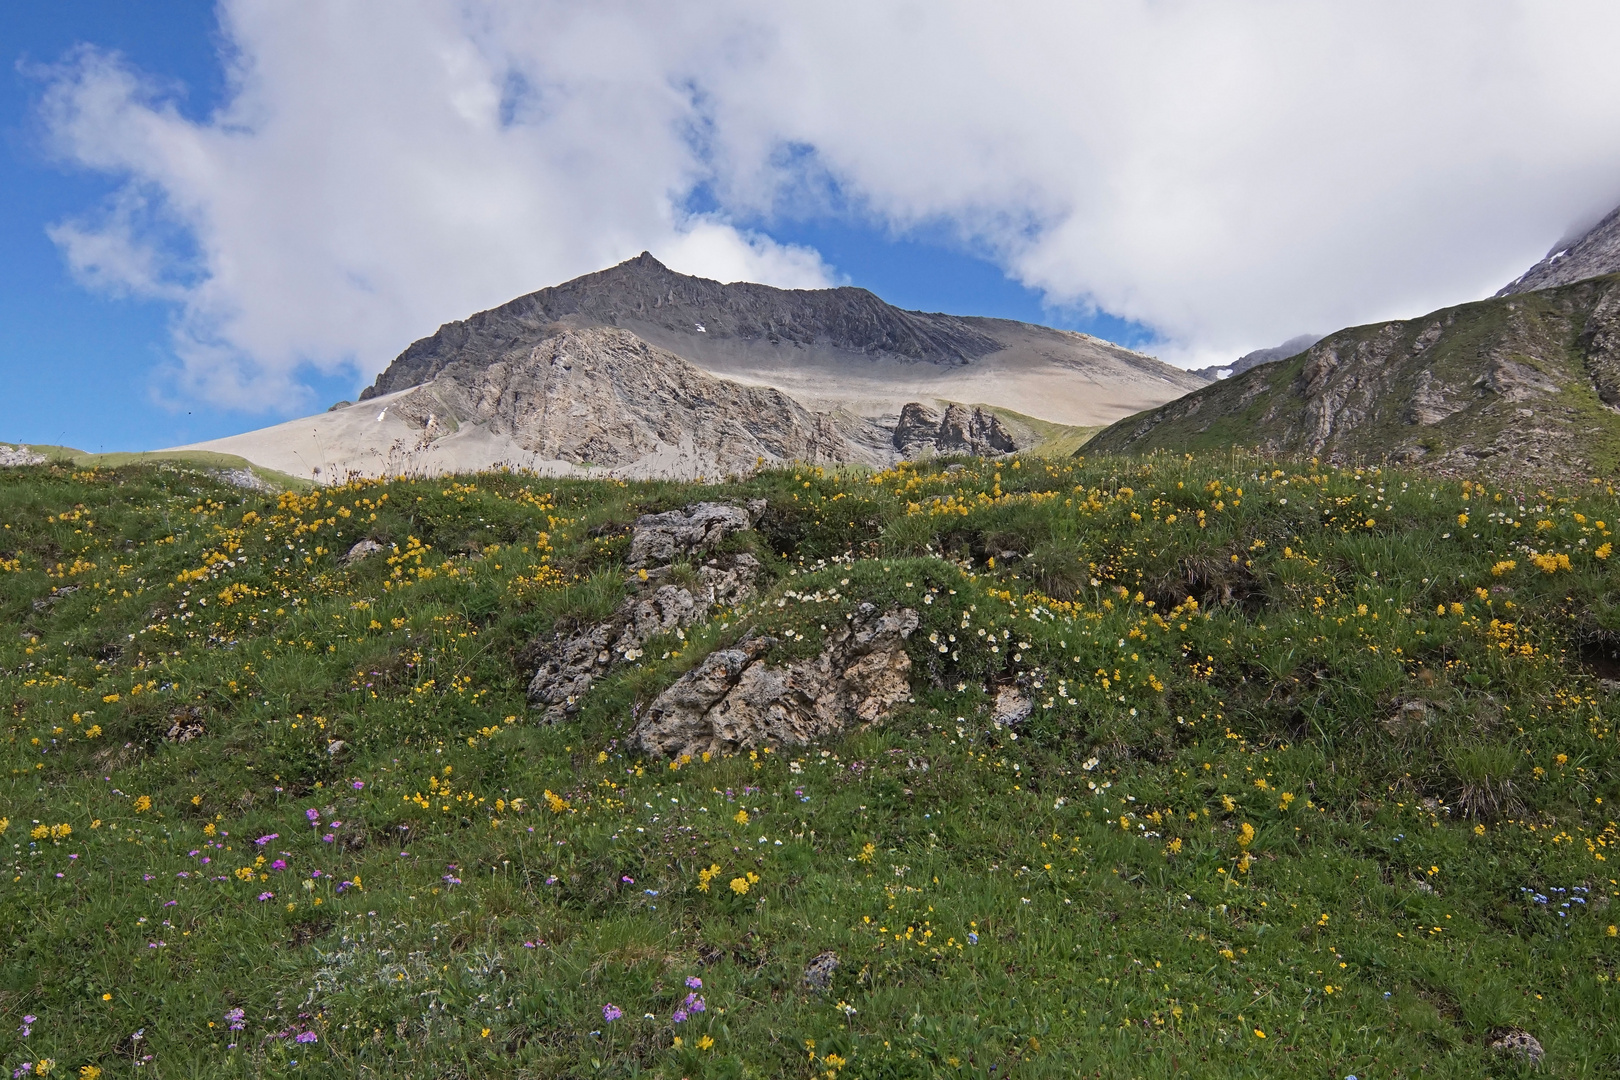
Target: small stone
[
  {"x": 1012, "y": 705},
  {"x": 1518, "y": 1043},
  {"x": 336, "y": 747},
  {"x": 185, "y": 724},
  {"x": 363, "y": 549},
  {"x": 818, "y": 972}
]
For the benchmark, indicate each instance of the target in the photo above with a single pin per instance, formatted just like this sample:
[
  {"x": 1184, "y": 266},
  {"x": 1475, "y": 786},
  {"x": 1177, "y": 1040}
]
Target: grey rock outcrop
[
  {"x": 18, "y": 455},
  {"x": 959, "y": 430},
  {"x": 1591, "y": 253},
  {"x": 735, "y": 700},
  {"x": 663, "y": 538},
  {"x": 572, "y": 662}
]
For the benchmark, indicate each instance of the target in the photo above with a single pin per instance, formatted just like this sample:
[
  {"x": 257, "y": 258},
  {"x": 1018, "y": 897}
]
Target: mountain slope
[
  {"x": 1528, "y": 382},
  {"x": 828, "y": 348},
  {"x": 592, "y": 397},
  {"x": 1592, "y": 254}
]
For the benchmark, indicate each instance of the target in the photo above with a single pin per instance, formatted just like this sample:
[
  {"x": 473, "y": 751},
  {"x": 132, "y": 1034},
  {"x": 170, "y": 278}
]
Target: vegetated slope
[
  {"x": 827, "y": 347},
  {"x": 1592, "y": 254},
  {"x": 1285, "y": 772},
  {"x": 1522, "y": 384}
]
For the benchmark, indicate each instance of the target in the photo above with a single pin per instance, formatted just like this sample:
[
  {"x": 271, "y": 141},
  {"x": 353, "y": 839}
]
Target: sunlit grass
[{"x": 1317, "y": 781}]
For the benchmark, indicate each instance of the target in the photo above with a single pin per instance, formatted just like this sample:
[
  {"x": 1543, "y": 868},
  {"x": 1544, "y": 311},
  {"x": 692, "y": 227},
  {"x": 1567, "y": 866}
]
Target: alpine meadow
[{"x": 1201, "y": 766}]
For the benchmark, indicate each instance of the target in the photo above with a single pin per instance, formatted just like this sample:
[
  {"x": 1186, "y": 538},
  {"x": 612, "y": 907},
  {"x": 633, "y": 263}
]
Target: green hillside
[
  {"x": 1317, "y": 782},
  {"x": 1518, "y": 385}
]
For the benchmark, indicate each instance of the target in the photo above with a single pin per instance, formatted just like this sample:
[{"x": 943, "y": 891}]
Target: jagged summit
[
  {"x": 647, "y": 297},
  {"x": 1592, "y": 254}
]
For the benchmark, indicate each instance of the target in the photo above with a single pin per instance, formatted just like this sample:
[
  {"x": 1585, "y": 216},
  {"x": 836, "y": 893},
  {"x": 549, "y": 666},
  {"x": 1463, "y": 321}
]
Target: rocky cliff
[
  {"x": 1593, "y": 253},
  {"x": 1526, "y": 383},
  {"x": 599, "y": 396}
]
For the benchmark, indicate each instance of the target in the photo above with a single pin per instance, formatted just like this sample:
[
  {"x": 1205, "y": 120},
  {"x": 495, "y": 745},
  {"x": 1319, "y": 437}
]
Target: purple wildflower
[
  {"x": 451, "y": 879},
  {"x": 693, "y": 1003},
  {"x": 263, "y": 840},
  {"x": 627, "y": 879},
  {"x": 611, "y": 1012},
  {"x": 279, "y": 864},
  {"x": 679, "y": 1017},
  {"x": 308, "y": 1037},
  {"x": 694, "y": 983},
  {"x": 27, "y": 1025},
  {"x": 358, "y": 784},
  {"x": 313, "y": 815},
  {"x": 236, "y": 1019},
  {"x": 267, "y": 896}
]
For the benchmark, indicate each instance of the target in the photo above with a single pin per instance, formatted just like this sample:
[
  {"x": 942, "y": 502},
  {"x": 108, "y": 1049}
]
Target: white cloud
[{"x": 1227, "y": 174}]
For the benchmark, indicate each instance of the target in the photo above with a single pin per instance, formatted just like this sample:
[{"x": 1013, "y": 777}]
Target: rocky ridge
[
  {"x": 671, "y": 309},
  {"x": 1528, "y": 383},
  {"x": 1593, "y": 253}
]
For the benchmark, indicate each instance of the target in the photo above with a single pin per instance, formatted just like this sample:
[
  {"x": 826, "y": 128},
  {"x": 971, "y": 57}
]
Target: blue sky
[
  {"x": 221, "y": 215},
  {"x": 83, "y": 368}
]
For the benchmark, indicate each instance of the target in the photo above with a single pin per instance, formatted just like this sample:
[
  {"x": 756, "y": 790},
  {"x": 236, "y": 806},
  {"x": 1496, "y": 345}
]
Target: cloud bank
[{"x": 1227, "y": 175}]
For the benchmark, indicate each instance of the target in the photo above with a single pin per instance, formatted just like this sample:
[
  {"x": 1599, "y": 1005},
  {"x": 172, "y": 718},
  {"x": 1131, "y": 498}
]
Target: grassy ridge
[{"x": 1318, "y": 781}]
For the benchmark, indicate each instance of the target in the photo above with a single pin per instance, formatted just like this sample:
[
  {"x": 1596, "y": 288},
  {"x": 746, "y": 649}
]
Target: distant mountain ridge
[
  {"x": 827, "y": 348},
  {"x": 1292, "y": 347}
]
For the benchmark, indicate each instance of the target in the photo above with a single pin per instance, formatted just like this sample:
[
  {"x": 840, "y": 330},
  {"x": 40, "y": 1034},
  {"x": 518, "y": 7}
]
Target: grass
[
  {"x": 194, "y": 459},
  {"x": 1318, "y": 781}
]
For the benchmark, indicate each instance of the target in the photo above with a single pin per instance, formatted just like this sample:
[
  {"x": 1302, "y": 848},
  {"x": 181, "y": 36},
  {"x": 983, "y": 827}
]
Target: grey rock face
[
  {"x": 1591, "y": 254},
  {"x": 663, "y": 538},
  {"x": 960, "y": 430},
  {"x": 606, "y": 397},
  {"x": 734, "y": 700}
]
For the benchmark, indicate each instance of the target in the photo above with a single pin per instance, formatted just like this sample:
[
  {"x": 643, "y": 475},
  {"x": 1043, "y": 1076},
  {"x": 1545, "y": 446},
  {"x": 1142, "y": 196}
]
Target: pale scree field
[{"x": 1318, "y": 782}]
